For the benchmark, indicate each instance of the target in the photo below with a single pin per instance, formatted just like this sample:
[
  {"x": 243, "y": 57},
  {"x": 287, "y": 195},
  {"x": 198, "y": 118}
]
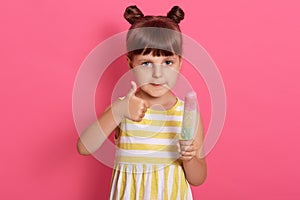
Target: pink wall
[{"x": 255, "y": 45}]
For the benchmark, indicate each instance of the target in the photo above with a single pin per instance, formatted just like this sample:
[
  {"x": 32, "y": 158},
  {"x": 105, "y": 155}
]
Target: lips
[{"x": 156, "y": 85}]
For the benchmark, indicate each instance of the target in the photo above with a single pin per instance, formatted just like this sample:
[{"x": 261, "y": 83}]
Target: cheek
[
  {"x": 171, "y": 77},
  {"x": 143, "y": 76}
]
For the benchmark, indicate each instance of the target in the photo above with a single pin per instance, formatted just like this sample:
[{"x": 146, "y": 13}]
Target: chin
[{"x": 156, "y": 94}]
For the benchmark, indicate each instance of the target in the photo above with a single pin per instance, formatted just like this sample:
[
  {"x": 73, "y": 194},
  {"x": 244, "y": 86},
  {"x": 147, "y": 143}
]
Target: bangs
[
  {"x": 158, "y": 41},
  {"x": 154, "y": 52}
]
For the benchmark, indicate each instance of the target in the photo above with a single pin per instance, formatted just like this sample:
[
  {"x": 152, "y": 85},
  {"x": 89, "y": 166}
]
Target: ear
[{"x": 129, "y": 62}]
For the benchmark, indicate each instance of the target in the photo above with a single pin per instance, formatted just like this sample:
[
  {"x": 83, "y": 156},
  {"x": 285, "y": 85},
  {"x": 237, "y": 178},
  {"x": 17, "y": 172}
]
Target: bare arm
[
  {"x": 192, "y": 156},
  {"x": 94, "y": 136},
  {"x": 130, "y": 107}
]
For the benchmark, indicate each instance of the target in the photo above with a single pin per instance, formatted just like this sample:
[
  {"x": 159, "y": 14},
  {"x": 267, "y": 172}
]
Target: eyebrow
[
  {"x": 143, "y": 60},
  {"x": 166, "y": 57}
]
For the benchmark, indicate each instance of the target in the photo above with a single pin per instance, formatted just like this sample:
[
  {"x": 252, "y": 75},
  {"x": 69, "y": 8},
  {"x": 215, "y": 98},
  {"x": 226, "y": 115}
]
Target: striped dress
[{"x": 146, "y": 165}]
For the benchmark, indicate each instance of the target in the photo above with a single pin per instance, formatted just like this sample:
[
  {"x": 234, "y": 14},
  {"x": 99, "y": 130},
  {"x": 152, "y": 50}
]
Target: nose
[{"x": 157, "y": 71}]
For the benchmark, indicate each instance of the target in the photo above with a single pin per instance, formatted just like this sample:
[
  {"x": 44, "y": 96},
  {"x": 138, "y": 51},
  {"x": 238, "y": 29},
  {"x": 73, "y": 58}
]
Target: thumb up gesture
[{"x": 133, "y": 107}]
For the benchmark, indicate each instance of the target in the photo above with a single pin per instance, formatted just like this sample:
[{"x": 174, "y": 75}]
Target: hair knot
[
  {"x": 176, "y": 14},
  {"x": 132, "y": 14}
]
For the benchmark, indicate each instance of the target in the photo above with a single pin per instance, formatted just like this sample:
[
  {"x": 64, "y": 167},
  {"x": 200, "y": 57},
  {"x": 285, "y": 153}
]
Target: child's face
[{"x": 156, "y": 75}]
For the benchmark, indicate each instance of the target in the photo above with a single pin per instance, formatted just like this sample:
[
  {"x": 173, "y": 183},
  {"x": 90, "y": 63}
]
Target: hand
[
  {"x": 187, "y": 149},
  {"x": 134, "y": 107}
]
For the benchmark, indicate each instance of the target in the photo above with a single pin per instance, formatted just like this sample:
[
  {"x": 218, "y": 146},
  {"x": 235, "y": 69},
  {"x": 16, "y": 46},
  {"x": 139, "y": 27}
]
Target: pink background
[{"x": 255, "y": 45}]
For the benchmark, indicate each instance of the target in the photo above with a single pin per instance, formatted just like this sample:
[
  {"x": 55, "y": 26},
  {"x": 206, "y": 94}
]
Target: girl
[{"x": 151, "y": 162}]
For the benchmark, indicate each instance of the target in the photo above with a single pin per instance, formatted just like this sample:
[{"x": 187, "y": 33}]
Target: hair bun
[
  {"x": 132, "y": 14},
  {"x": 176, "y": 14}
]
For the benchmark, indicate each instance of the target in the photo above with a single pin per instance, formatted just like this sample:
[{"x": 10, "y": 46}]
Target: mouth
[{"x": 156, "y": 85}]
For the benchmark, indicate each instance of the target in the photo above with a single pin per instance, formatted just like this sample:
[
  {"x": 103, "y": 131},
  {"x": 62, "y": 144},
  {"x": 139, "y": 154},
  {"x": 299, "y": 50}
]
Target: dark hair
[{"x": 159, "y": 35}]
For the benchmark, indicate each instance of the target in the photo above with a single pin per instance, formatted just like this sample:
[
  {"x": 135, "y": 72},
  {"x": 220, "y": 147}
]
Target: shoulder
[{"x": 179, "y": 104}]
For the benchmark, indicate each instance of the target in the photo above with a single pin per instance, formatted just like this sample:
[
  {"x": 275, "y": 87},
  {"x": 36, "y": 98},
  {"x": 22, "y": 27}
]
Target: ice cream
[{"x": 189, "y": 121}]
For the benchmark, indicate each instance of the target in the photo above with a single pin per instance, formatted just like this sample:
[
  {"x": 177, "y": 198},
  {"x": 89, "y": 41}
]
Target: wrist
[{"x": 118, "y": 109}]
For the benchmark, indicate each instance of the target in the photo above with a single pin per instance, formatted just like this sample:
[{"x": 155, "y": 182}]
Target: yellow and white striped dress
[{"x": 146, "y": 165}]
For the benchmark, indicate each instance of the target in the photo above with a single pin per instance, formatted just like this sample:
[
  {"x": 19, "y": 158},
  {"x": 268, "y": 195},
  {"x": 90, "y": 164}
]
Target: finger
[
  {"x": 190, "y": 148},
  {"x": 146, "y": 104},
  {"x": 187, "y": 149},
  {"x": 186, "y": 158},
  {"x": 186, "y": 142},
  {"x": 189, "y": 154},
  {"x": 133, "y": 88},
  {"x": 144, "y": 109},
  {"x": 183, "y": 148},
  {"x": 178, "y": 147},
  {"x": 137, "y": 119},
  {"x": 141, "y": 115}
]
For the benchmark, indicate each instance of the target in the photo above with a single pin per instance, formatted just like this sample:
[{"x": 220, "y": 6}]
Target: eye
[
  {"x": 169, "y": 62},
  {"x": 147, "y": 64}
]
